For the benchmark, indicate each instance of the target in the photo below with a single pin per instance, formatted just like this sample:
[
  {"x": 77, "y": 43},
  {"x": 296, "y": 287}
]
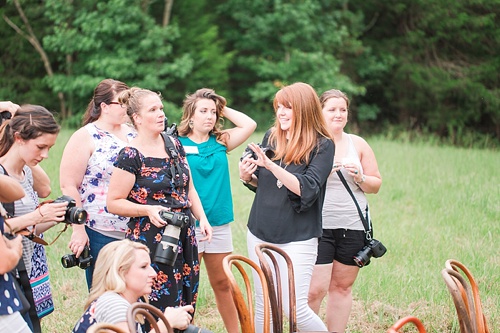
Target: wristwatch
[{"x": 363, "y": 178}]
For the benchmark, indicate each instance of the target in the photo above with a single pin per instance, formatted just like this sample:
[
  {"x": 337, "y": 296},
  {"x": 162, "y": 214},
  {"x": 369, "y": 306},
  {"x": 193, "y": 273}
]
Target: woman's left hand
[
  {"x": 206, "y": 230},
  {"x": 262, "y": 160},
  {"x": 354, "y": 171}
]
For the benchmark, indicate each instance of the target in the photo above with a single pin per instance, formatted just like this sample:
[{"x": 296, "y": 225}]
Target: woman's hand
[
  {"x": 206, "y": 231},
  {"x": 152, "y": 211},
  {"x": 79, "y": 239},
  {"x": 262, "y": 160},
  {"x": 52, "y": 212},
  {"x": 179, "y": 317},
  {"x": 247, "y": 168}
]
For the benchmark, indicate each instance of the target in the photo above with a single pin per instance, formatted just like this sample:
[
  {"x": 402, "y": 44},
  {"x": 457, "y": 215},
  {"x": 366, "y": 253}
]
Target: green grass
[{"x": 435, "y": 203}]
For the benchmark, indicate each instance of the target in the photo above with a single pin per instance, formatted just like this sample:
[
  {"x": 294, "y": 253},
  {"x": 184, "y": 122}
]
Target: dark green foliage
[{"x": 429, "y": 66}]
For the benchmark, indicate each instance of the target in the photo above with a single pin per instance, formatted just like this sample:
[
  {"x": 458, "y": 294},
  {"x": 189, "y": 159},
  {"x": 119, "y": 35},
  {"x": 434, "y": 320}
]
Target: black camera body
[
  {"x": 73, "y": 214},
  {"x": 5, "y": 115},
  {"x": 84, "y": 261},
  {"x": 170, "y": 129},
  {"x": 192, "y": 329},
  {"x": 167, "y": 248},
  {"x": 373, "y": 248},
  {"x": 250, "y": 153}
]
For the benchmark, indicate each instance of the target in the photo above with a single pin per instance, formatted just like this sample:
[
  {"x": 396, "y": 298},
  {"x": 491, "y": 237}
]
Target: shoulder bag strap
[
  {"x": 175, "y": 168},
  {"x": 365, "y": 223}
]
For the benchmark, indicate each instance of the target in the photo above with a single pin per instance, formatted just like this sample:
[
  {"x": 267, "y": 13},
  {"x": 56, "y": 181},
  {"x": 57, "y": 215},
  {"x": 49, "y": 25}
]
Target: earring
[{"x": 191, "y": 124}]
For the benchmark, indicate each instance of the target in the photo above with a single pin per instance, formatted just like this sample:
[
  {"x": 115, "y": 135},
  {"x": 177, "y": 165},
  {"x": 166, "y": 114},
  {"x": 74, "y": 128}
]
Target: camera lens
[
  {"x": 69, "y": 260},
  {"x": 76, "y": 215},
  {"x": 362, "y": 258}
]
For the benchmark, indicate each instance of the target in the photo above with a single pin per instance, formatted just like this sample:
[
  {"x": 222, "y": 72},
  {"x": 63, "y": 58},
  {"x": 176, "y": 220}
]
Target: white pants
[
  {"x": 13, "y": 323},
  {"x": 303, "y": 255}
]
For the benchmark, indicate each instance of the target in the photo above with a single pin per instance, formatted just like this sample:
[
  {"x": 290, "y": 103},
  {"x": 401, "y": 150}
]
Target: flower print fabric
[
  {"x": 95, "y": 182},
  {"x": 174, "y": 285}
]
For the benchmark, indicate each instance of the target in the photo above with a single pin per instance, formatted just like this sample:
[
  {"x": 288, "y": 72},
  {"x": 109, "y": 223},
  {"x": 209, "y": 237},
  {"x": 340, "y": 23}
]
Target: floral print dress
[{"x": 174, "y": 285}]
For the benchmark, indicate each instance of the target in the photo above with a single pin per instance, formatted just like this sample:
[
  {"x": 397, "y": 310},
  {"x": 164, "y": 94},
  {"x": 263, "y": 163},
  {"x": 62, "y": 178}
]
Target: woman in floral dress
[{"x": 147, "y": 180}]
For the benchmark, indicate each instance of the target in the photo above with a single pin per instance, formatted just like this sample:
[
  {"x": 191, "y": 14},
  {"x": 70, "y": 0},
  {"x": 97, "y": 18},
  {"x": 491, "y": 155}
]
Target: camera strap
[
  {"x": 173, "y": 153},
  {"x": 366, "y": 225}
]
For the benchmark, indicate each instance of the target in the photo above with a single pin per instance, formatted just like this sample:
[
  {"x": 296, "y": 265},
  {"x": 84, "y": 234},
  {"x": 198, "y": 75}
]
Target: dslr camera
[
  {"x": 166, "y": 250},
  {"x": 73, "y": 214},
  {"x": 250, "y": 153},
  {"x": 373, "y": 248},
  {"x": 84, "y": 261},
  {"x": 170, "y": 130},
  {"x": 4, "y": 115}
]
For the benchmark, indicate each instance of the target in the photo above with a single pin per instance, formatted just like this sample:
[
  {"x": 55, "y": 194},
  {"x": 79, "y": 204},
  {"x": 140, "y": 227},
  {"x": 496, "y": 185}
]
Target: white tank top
[{"x": 339, "y": 210}]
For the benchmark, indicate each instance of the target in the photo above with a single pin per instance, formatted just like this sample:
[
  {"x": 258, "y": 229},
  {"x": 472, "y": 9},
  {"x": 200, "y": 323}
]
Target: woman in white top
[
  {"x": 86, "y": 167},
  {"x": 343, "y": 232}
]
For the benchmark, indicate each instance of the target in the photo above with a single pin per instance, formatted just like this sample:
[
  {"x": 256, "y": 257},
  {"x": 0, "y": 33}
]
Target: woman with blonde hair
[
  {"x": 289, "y": 176},
  {"x": 122, "y": 276}
]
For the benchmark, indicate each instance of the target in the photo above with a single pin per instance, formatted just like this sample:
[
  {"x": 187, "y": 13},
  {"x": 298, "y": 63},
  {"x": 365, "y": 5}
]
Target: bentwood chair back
[
  {"x": 465, "y": 295},
  {"x": 105, "y": 328},
  {"x": 275, "y": 288},
  {"x": 245, "y": 302},
  {"x": 403, "y": 321},
  {"x": 140, "y": 312}
]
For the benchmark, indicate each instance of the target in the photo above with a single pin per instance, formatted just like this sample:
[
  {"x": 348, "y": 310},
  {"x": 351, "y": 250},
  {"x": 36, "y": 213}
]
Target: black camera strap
[
  {"x": 368, "y": 228},
  {"x": 175, "y": 168}
]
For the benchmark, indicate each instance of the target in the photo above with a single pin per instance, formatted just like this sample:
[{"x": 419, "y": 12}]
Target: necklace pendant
[{"x": 279, "y": 183}]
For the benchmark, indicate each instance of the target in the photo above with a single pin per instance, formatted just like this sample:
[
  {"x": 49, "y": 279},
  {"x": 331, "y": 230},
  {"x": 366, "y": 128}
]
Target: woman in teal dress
[{"x": 206, "y": 145}]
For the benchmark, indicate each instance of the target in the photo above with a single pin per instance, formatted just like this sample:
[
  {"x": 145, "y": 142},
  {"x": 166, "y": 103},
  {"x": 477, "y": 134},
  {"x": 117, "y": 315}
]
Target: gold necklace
[{"x": 279, "y": 184}]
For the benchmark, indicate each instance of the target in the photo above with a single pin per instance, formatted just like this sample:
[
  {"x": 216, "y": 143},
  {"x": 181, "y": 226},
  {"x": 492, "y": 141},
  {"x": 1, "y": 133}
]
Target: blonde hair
[
  {"x": 113, "y": 263},
  {"x": 133, "y": 99},
  {"x": 308, "y": 124}
]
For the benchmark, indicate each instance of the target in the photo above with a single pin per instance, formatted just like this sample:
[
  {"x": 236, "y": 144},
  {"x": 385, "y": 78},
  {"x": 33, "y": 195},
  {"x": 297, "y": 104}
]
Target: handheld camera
[{"x": 166, "y": 250}]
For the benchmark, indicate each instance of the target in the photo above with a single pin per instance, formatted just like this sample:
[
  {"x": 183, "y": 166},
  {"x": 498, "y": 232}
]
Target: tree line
[{"x": 423, "y": 65}]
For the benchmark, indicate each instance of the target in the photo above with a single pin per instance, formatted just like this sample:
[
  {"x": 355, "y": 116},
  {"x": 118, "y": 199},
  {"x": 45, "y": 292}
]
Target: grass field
[{"x": 435, "y": 203}]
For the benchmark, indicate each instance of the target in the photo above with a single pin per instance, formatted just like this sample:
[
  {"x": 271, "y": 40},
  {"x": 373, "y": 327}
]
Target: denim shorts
[{"x": 340, "y": 245}]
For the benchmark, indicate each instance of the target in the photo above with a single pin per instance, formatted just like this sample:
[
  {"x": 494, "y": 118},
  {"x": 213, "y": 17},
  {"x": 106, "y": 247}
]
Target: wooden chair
[
  {"x": 465, "y": 295},
  {"x": 405, "y": 320},
  {"x": 139, "y": 311},
  {"x": 274, "y": 286},
  {"x": 105, "y": 328},
  {"x": 245, "y": 305}
]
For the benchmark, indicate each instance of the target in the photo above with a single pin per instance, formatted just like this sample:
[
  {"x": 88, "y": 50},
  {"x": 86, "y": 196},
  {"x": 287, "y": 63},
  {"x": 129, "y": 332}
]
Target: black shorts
[{"x": 340, "y": 245}]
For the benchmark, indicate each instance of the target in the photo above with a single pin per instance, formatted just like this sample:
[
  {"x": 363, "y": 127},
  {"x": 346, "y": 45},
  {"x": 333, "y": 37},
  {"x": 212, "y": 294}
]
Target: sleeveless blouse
[
  {"x": 339, "y": 210},
  {"x": 210, "y": 171},
  {"x": 95, "y": 183}
]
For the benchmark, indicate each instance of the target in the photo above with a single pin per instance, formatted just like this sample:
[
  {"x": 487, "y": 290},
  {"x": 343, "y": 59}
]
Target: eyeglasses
[{"x": 116, "y": 103}]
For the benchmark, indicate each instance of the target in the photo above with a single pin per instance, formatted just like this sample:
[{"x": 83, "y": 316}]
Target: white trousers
[{"x": 303, "y": 255}]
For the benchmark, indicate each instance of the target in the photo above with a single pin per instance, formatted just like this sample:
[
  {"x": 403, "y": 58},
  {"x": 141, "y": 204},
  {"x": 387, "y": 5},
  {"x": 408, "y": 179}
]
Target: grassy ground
[{"x": 435, "y": 203}]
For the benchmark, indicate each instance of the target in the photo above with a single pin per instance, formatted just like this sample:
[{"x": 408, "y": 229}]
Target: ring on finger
[{"x": 355, "y": 172}]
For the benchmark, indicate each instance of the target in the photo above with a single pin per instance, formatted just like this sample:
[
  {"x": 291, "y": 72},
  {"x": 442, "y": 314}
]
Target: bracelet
[
  {"x": 244, "y": 181},
  {"x": 363, "y": 178},
  {"x": 39, "y": 209}
]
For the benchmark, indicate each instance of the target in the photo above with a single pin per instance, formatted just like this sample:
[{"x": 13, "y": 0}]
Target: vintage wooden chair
[
  {"x": 273, "y": 279},
  {"x": 275, "y": 288},
  {"x": 465, "y": 295},
  {"x": 405, "y": 320},
  {"x": 105, "y": 328},
  {"x": 138, "y": 312},
  {"x": 244, "y": 303}
]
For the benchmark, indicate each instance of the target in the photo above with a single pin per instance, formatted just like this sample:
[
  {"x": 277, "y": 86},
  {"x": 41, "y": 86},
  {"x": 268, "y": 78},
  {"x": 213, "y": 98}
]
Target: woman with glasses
[{"x": 86, "y": 167}]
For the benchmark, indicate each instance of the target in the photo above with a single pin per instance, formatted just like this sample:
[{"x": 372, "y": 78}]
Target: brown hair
[
  {"x": 189, "y": 107},
  {"x": 30, "y": 121},
  {"x": 308, "y": 124},
  {"x": 105, "y": 91},
  {"x": 333, "y": 93},
  {"x": 133, "y": 99}
]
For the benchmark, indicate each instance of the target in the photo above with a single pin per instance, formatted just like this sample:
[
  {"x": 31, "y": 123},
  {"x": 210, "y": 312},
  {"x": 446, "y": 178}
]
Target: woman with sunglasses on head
[
  {"x": 289, "y": 178},
  {"x": 86, "y": 167},
  {"x": 343, "y": 231},
  {"x": 151, "y": 184},
  {"x": 207, "y": 144},
  {"x": 25, "y": 140}
]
